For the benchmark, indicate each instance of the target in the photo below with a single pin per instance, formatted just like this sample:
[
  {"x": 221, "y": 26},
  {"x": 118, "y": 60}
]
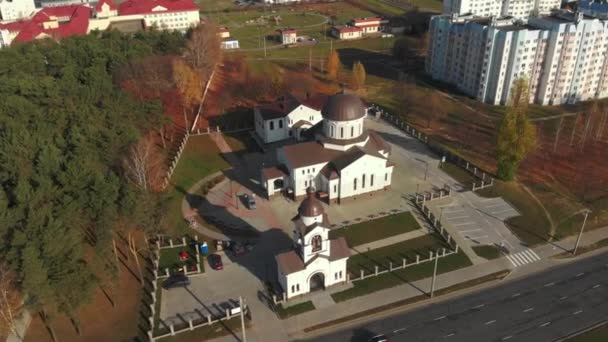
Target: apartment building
[
  {"x": 520, "y": 9},
  {"x": 16, "y": 9},
  {"x": 562, "y": 56}
]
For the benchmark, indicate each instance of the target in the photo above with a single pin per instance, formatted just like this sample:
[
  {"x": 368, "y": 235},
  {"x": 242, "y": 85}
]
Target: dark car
[
  {"x": 178, "y": 280},
  {"x": 215, "y": 261},
  {"x": 379, "y": 338},
  {"x": 250, "y": 200}
]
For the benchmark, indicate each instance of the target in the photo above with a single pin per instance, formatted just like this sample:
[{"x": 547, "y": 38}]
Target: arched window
[
  {"x": 352, "y": 131},
  {"x": 316, "y": 243}
]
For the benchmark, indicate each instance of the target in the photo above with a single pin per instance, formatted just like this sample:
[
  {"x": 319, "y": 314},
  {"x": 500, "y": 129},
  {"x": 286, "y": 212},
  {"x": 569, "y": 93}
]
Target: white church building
[
  {"x": 341, "y": 159},
  {"x": 315, "y": 262}
]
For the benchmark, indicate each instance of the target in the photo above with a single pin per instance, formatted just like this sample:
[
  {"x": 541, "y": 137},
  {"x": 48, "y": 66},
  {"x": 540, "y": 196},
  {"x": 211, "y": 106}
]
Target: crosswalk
[{"x": 525, "y": 257}]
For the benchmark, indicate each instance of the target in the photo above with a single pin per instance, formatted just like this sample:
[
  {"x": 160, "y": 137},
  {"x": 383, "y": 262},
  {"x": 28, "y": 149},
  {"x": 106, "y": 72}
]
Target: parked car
[
  {"x": 380, "y": 338},
  {"x": 178, "y": 280},
  {"x": 250, "y": 200},
  {"x": 215, "y": 261}
]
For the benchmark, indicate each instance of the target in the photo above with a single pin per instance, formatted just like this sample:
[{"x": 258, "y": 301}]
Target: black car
[
  {"x": 178, "y": 280},
  {"x": 379, "y": 338}
]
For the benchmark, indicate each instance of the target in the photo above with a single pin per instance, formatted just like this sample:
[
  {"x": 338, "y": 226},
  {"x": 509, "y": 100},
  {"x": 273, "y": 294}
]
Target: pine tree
[
  {"x": 516, "y": 135},
  {"x": 333, "y": 65}
]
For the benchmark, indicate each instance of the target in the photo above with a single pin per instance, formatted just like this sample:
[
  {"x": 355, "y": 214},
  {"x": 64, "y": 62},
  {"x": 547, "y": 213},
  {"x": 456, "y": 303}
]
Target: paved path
[{"x": 391, "y": 240}]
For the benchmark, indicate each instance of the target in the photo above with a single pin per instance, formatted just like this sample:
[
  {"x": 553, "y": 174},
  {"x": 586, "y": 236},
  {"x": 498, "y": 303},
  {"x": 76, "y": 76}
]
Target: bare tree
[
  {"x": 140, "y": 164},
  {"x": 599, "y": 134},
  {"x": 10, "y": 301},
  {"x": 559, "y": 130}
]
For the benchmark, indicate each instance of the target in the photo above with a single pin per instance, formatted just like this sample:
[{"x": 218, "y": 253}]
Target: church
[
  {"x": 315, "y": 262},
  {"x": 338, "y": 157}
]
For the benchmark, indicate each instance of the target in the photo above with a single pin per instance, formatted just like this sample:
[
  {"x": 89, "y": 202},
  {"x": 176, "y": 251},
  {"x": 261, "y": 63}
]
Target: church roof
[
  {"x": 290, "y": 262},
  {"x": 287, "y": 103},
  {"x": 338, "y": 249},
  {"x": 273, "y": 172},
  {"x": 343, "y": 107},
  {"x": 311, "y": 206},
  {"x": 304, "y": 229}
]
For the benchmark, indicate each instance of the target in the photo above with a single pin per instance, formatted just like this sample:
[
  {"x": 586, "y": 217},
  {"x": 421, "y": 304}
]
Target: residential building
[
  {"x": 369, "y": 25},
  {"x": 563, "y": 56},
  {"x": 594, "y": 8},
  {"x": 230, "y": 43},
  {"x": 16, "y": 9},
  {"x": 315, "y": 261},
  {"x": 57, "y": 3},
  {"x": 224, "y": 32},
  {"x": 164, "y": 14},
  {"x": 287, "y": 36},
  {"x": 520, "y": 9},
  {"x": 340, "y": 158},
  {"x": 346, "y": 32}
]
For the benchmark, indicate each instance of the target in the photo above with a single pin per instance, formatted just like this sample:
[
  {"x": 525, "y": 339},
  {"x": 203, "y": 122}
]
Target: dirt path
[{"x": 553, "y": 226}]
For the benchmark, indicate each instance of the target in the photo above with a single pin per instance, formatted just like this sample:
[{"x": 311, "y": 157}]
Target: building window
[
  {"x": 355, "y": 184},
  {"x": 316, "y": 243},
  {"x": 271, "y": 125},
  {"x": 335, "y": 188},
  {"x": 371, "y": 180},
  {"x": 303, "y": 172},
  {"x": 341, "y": 132},
  {"x": 386, "y": 177},
  {"x": 281, "y": 123},
  {"x": 352, "y": 131},
  {"x": 331, "y": 131},
  {"x": 293, "y": 289},
  {"x": 298, "y": 287},
  {"x": 340, "y": 273},
  {"x": 306, "y": 183}
]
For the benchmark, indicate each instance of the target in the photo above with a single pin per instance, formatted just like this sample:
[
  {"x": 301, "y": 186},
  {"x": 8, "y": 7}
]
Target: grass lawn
[
  {"x": 200, "y": 158},
  {"x": 532, "y": 226},
  {"x": 487, "y": 252},
  {"x": 381, "y": 257},
  {"x": 294, "y": 309},
  {"x": 596, "y": 335},
  {"x": 241, "y": 143},
  {"x": 169, "y": 258},
  {"x": 434, "y": 5},
  {"x": 208, "y": 6},
  {"x": 461, "y": 175},
  {"x": 373, "y": 230},
  {"x": 403, "y": 276}
]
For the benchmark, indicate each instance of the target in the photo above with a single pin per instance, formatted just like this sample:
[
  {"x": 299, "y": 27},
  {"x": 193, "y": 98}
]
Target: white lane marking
[
  {"x": 549, "y": 284},
  {"x": 494, "y": 205},
  {"x": 449, "y": 335},
  {"x": 528, "y": 309},
  {"x": 399, "y": 330},
  {"x": 452, "y": 211},
  {"x": 564, "y": 297},
  {"x": 577, "y": 312},
  {"x": 516, "y": 294},
  {"x": 532, "y": 254},
  {"x": 502, "y": 211},
  {"x": 470, "y": 230},
  {"x": 525, "y": 257},
  {"x": 439, "y": 318},
  {"x": 507, "y": 337},
  {"x": 512, "y": 260},
  {"x": 596, "y": 286},
  {"x": 457, "y": 217},
  {"x": 520, "y": 259},
  {"x": 544, "y": 324},
  {"x": 477, "y": 237},
  {"x": 580, "y": 274},
  {"x": 479, "y": 306},
  {"x": 465, "y": 224},
  {"x": 491, "y": 322}
]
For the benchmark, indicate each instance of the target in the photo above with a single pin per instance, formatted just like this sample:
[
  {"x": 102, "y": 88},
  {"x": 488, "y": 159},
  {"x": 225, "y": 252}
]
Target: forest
[{"x": 65, "y": 128}]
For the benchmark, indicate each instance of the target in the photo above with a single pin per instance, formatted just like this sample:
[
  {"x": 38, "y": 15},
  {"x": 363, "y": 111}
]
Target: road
[{"x": 541, "y": 307}]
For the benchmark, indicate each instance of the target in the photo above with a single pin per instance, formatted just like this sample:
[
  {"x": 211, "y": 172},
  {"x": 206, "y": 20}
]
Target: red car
[{"x": 215, "y": 261}]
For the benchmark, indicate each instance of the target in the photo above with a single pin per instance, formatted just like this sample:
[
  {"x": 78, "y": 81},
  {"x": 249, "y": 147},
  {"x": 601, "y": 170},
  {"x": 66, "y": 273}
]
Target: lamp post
[
  {"x": 580, "y": 234},
  {"x": 434, "y": 274},
  {"x": 242, "y": 318}
]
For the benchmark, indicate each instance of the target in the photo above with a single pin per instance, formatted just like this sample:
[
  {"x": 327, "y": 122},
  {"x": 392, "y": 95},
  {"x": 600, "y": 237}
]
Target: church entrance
[{"x": 317, "y": 282}]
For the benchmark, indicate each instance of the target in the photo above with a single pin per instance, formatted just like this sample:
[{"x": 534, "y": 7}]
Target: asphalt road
[{"x": 542, "y": 307}]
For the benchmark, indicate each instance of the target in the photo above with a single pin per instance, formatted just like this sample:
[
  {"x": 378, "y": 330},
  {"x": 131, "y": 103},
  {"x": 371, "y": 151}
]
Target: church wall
[
  {"x": 368, "y": 166},
  {"x": 307, "y": 176},
  {"x": 330, "y": 269},
  {"x": 308, "y": 253},
  {"x": 343, "y": 129},
  {"x": 304, "y": 113}
]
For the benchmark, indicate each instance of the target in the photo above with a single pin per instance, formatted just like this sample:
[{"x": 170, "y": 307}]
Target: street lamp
[
  {"x": 580, "y": 234},
  {"x": 434, "y": 274}
]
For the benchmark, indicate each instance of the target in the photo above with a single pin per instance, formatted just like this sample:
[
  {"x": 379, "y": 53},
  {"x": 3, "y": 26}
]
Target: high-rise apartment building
[
  {"x": 562, "y": 55},
  {"x": 520, "y": 9},
  {"x": 16, "y": 9}
]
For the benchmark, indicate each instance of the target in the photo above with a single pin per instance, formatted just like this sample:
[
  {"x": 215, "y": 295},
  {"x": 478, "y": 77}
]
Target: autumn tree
[
  {"x": 10, "y": 301},
  {"x": 358, "y": 77},
  {"x": 516, "y": 135},
  {"x": 141, "y": 164},
  {"x": 436, "y": 111},
  {"x": 188, "y": 84},
  {"x": 333, "y": 65}
]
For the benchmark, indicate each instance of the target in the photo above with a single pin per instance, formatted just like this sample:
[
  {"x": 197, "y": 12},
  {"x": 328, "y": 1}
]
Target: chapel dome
[
  {"x": 343, "y": 107},
  {"x": 311, "y": 206}
]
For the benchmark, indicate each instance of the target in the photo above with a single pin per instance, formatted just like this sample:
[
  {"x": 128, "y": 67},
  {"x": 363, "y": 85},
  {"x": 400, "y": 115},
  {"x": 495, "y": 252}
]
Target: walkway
[{"x": 391, "y": 240}]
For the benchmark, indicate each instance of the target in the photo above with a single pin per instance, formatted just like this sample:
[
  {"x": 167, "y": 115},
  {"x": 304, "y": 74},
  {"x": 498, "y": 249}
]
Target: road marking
[
  {"x": 464, "y": 224},
  {"x": 549, "y": 284},
  {"x": 500, "y": 212},
  {"x": 479, "y": 306},
  {"x": 477, "y": 237},
  {"x": 596, "y": 286},
  {"x": 528, "y": 309},
  {"x": 491, "y": 322},
  {"x": 507, "y": 337},
  {"x": 495, "y": 205},
  {"x": 532, "y": 254},
  {"x": 520, "y": 259},
  {"x": 399, "y": 330},
  {"x": 470, "y": 230},
  {"x": 449, "y": 335},
  {"x": 516, "y": 295},
  {"x": 439, "y": 318},
  {"x": 580, "y": 274},
  {"x": 577, "y": 312},
  {"x": 544, "y": 324},
  {"x": 457, "y": 217},
  {"x": 564, "y": 297},
  {"x": 513, "y": 261}
]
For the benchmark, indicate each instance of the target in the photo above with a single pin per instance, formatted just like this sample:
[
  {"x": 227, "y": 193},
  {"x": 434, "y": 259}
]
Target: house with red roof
[
  {"x": 369, "y": 25},
  {"x": 163, "y": 14},
  {"x": 288, "y": 36},
  {"x": 346, "y": 32}
]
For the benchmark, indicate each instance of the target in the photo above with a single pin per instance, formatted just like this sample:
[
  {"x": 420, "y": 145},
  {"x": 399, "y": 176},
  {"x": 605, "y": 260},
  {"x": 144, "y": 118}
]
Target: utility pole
[
  {"x": 242, "y": 318},
  {"x": 264, "y": 38},
  {"x": 441, "y": 213},
  {"x": 580, "y": 234},
  {"x": 434, "y": 274},
  {"x": 310, "y": 60},
  {"x": 426, "y": 172}
]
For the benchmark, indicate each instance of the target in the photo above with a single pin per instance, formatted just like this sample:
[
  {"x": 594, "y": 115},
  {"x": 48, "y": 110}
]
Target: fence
[
  {"x": 175, "y": 160},
  {"x": 368, "y": 218},
  {"x": 166, "y": 272},
  {"x": 485, "y": 179},
  {"x": 420, "y": 200}
]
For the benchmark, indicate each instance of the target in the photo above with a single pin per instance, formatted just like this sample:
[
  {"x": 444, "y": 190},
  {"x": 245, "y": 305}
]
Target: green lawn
[
  {"x": 597, "y": 335},
  {"x": 403, "y": 276},
  {"x": 487, "y": 252},
  {"x": 434, "y": 5},
  {"x": 461, "y": 175},
  {"x": 200, "y": 158},
  {"x": 381, "y": 257},
  {"x": 378, "y": 229},
  {"x": 169, "y": 258},
  {"x": 241, "y": 143},
  {"x": 532, "y": 226},
  {"x": 294, "y": 309},
  {"x": 210, "y": 6}
]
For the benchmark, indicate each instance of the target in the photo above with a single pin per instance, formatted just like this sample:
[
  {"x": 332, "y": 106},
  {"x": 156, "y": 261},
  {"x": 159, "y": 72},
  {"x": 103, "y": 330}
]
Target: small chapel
[{"x": 316, "y": 261}]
